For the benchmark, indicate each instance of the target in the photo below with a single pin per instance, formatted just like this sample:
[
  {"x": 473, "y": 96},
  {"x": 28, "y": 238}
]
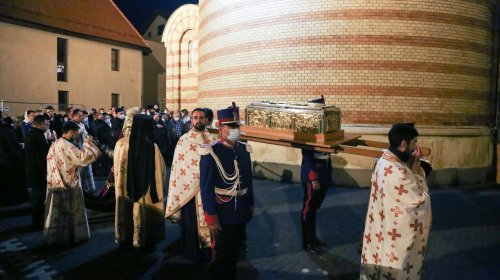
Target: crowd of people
[
  {"x": 105, "y": 127},
  {"x": 209, "y": 191}
]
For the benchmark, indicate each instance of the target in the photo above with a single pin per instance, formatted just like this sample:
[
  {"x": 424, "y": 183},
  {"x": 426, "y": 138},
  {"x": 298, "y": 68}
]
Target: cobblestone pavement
[{"x": 464, "y": 241}]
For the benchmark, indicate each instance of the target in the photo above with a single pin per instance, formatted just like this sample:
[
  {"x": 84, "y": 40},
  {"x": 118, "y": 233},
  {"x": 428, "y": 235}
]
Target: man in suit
[
  {"x": 36, "y": 150},
  {"x": 55, "y": 120}
]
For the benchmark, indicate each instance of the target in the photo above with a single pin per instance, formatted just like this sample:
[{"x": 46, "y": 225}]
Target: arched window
[{"x": 190, "y": 55}]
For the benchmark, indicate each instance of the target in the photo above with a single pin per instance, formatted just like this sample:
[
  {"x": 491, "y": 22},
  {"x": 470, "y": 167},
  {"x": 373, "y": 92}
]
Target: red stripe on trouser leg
[
  {"x": 313, "y": 175},
  {"x": 306, "y": 207},
  {"x": 212, "y": 248}
]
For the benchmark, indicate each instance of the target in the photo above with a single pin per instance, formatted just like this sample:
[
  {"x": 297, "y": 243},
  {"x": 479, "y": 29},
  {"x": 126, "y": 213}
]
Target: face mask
[
  {"x": 86, "y": 119},
  {"x": 108, "y": 121},
  {"x": 234, "y": 135},
  {"x": 121, "y": 116},
  {"x": 176, "y": 118}
]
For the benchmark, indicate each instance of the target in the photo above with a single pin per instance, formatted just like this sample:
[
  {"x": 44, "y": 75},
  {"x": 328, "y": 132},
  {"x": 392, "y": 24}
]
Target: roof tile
[{"x": 99, "y": 18}]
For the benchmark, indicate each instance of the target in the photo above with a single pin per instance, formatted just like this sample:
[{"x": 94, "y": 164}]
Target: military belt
[{"x": 230, "y": 192}]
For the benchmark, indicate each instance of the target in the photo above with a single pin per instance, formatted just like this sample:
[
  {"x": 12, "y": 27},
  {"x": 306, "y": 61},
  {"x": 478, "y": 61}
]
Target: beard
[
  {"x": 409, "y": 152},
  {"x": 408, "y": 156},
  {"x": 199, "y": 126}
]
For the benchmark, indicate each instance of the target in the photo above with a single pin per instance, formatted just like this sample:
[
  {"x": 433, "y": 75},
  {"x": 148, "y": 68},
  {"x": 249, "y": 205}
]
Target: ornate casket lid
[{"x": 293, "y": 105}]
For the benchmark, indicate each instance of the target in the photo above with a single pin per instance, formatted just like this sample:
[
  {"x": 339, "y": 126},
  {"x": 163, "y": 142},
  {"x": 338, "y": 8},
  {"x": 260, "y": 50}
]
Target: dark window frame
[
  {"x": 115, "y": 60},
  {"x": 159, "y": 29},
  {"x": 116, "y": 103},
  {"x": 62, "y": 94},
  {"x": 62, "y": 60}
]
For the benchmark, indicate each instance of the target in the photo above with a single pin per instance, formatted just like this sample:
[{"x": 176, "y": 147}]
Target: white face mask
[
  {"x": 121, "y": 116},
  {"x": 176, "y": 118},
  {"x": 234, "y": 135}
]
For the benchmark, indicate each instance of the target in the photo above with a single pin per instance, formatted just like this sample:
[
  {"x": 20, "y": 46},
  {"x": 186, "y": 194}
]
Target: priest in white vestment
[
  {"x": 184, "y": 199},
  {"x": 65, "y": 215},
  {"x": 399, "y": 212}
]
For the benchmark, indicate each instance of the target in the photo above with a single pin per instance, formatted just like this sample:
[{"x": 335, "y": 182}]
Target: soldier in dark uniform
[
  {"x": 315, "y": 176},
  {"x": 227, "y": 192}
]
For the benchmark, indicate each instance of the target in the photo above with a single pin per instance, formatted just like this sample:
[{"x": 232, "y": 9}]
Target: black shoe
[
  {"x": 36, "y": 227},
  {"x": 125, "y": 246},
  {"x": 313, "y": 249},
  {"x": 146, "y": 250},
  {"x": 319, "y": 243}
]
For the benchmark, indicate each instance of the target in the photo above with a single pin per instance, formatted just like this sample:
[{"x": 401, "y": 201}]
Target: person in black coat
[
  {"x": 26, "y": 123},
  {"x": 36, "y": 149},
  {"x": 102, "y": 131},
  {"x": 12, "y": 177},
  {"x": 117, "y": 123},
  {"x": 160, "y": 135},
  {"x": 55, "y": 121},
  {"x": 104, "y": 134}
]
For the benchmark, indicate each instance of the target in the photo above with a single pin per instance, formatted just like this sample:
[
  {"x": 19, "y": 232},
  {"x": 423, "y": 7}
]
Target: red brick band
[
  {"x": 350, "y": 90},
  {"x": 182, "y": 76},
  {"x": 419, "y": 118},
  {"x": 182, "y": 88},
  {"x": 413, "y": 41},
  {"x": 228, "y": 9},
  {"x": 371, "y": 65},
  {"x": 356, "y": 14},
  {"x": 204, "y": 3},
  {"x": 182, "y": 100}
]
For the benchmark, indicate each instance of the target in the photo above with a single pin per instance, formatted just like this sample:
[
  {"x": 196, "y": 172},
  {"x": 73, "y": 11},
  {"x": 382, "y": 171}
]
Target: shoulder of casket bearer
[
  {"x": 318, "y": 100},
  {"x": 247, "y": 146}
]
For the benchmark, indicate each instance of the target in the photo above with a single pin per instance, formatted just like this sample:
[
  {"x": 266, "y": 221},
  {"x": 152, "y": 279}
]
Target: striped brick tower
[
  {"x": 180, "y": 37},
  {"x": 380, "y": 62}
]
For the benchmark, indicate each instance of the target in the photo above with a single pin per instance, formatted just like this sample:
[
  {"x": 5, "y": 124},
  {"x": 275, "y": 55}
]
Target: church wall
[
  {"x": 380, "y": 62},
  {"x": 181, "y": 80}
]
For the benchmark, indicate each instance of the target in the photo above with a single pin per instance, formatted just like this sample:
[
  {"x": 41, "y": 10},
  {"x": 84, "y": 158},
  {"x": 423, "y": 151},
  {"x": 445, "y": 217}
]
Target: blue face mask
[{"x": 234, "y": 135}]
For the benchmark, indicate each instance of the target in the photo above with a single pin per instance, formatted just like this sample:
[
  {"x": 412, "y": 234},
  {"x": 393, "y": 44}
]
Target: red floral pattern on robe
[{"x": 398, "y": 222}]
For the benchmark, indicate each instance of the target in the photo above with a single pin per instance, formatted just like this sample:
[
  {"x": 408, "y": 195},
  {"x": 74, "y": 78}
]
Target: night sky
[{"x": 140, "y": 12}]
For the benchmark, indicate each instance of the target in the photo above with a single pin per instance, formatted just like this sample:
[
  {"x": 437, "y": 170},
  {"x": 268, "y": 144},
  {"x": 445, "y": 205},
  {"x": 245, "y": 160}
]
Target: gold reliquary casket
[{"x": 294, "y": 119}]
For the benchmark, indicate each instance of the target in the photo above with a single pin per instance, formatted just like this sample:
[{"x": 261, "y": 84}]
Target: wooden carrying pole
[{"x": 345, "y": 143}]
